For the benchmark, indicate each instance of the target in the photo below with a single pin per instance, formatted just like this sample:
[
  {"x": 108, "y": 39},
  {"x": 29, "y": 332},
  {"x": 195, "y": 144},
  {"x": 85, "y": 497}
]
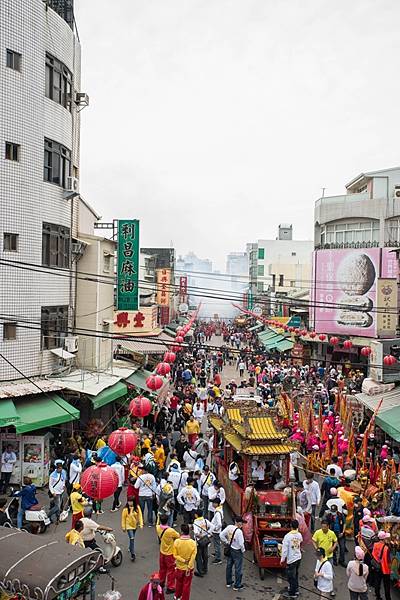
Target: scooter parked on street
[
  {"x": 111, "y": 552},
  {"x": 36, "y": 520}
]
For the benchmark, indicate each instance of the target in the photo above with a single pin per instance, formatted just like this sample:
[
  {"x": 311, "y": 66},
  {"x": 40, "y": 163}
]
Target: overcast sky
[{"x": 212, "y": 121}]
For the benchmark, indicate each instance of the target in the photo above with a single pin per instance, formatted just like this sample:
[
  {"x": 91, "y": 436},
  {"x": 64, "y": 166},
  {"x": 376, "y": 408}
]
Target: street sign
[{"x": 257, "y": 310}]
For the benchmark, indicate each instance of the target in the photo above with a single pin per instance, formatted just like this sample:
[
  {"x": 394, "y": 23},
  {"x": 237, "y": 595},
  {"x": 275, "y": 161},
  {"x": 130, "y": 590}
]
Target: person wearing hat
[
  {"x": 233, "y": 537},
  {"x": 77, "y": 502},
  {"x": 152, "y": 590},
  {"x": 357, "y": 572},
  {"x": 323, "y": 574},
  {"x": 381, "y": 564}
]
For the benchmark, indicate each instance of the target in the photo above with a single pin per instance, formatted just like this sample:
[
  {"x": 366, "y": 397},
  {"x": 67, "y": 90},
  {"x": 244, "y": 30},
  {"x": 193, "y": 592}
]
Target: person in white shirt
[
  {"x": 8, "y": 460},
  {"x": 189, "y": 498},
  {"x": 233, "y": 537},
  {"x": 312, "y": 488},
  {"x": 337, "y": 501},
  {"x": 89, "y": 531},
  {"x": 118, "y": 467},
  {"x": 198, "y": 412},
  {"x": 215, "y": 491},
  {"x": 291, "y": 554},
  {"x": 201, "y": 446},
  {"x": 207, "y": 478},
  {"x": 323, "y": 574},
  {"x": 258, "y": 471},
  {"x": 335, "y": 466},
  {"x": 212, "y": 407},
  {"x": 75, "y": 470},
  {"x": 202, "y": 534},
  {"x": 216, "y": 528},
  {"x": 234, "y": 471},
  {"x": 57, "y": 483},
  {"x": 189, "y": 458},
  {"x": 146, "y": 484}
]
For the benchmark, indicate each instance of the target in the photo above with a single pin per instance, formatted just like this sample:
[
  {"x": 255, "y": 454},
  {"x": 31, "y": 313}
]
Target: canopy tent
[
  {"x": 110, "y": 394},
  {"x": 388, "y": 417},
  {"x": 272, "y": 340},
  {"x": 43, "y": 411},
  {"x": 8, "y": 413}
]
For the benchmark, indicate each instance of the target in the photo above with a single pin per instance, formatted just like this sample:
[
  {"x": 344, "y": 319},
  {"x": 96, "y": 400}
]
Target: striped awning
[{"x": 268, "y": 450}]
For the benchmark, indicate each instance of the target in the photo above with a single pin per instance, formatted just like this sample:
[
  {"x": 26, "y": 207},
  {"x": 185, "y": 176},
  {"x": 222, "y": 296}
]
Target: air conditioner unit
[
  {"x": 81, "y": 99},
  {"x": 71, "y": 344},
  {"x": 397, "y": 191},
  {"x": 72, "y": 185}
]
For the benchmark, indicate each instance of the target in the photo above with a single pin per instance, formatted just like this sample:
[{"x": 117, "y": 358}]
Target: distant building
[{"x": 237, "y": 263}]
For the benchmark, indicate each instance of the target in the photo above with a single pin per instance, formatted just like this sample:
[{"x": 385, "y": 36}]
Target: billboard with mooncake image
[{"x": 344, "y": 289}]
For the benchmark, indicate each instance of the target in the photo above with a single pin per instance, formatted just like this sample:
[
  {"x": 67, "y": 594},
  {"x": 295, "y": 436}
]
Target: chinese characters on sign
[
  {"x": 183, "y": 288},
  {"x": 163, "y": 286},
  {"x": 128, "y": 265},
  {"x": 387, "y": 307}
]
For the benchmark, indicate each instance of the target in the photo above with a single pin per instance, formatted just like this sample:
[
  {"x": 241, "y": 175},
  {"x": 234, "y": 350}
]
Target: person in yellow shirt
[
  {"x": 74, "y": 537},
  {"x": 101, "y": 442},
  {"x": 184, "y": 552},
  {"x": 77, "y": 503},
  {"x": 167, "y": 536},
  {"x": 159, "y": 456},
  {"x": 192, "y": 430},
  {"x": 131, "y": 519},
  {"x": 325, "y": 538}
]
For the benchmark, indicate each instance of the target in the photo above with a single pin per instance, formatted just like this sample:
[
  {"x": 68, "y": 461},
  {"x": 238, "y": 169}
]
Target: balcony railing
[{"x": 326, "y": 200}]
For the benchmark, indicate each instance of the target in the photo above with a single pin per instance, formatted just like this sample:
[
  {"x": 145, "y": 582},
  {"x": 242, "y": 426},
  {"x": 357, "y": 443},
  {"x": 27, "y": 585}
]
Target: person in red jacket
[
  {"x": 152, "y": 590},
  {"x": 381, "y": 553}
]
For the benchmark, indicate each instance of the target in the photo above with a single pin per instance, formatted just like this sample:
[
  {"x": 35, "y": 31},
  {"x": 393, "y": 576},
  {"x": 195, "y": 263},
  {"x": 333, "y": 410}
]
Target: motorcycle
[
  {"x": 111, "y": 552},
  {"x": 36, "y": 519}
]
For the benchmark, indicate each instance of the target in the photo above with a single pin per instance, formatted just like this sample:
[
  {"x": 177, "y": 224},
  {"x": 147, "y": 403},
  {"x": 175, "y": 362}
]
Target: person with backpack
[
  {"x": 291, "y": 555},
  {"x": 357, "y": 572},
  {"x": 166, "y": 537},
  {"x": 337, "y": 524},
  {"x": 381, "y": 565}
]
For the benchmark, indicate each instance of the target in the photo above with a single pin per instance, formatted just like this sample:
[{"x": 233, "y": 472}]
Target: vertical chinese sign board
[
  {"x": 128, "y": 265},
  {"x": 163, "y": 293}
]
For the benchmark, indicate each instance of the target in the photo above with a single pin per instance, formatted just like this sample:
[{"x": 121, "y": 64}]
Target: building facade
[{"x": 40, "y": 103}]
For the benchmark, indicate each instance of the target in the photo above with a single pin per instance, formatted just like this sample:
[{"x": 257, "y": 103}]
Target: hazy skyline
[{"x": 214, "y": 121}]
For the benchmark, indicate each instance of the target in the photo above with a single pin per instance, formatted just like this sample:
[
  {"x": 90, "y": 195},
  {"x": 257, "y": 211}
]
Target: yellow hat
[{"x": 76, "y": 486}]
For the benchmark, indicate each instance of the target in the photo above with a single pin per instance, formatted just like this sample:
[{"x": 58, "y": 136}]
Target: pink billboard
[{"x": 343, "y": 299}]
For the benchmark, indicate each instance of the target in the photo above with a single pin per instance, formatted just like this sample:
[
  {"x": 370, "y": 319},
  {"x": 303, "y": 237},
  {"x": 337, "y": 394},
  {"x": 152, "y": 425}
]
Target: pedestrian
[
  {"x": 242, "y": 366},
  {"x": 190, "y": 459},
  {"x": 181, "y": 446},
  {"x": 8, "y": 460},
  {"x": 27, "y": 494},
  {"x": 330, "y": 481},
  {"x": 233, "y": 537},
  {"x": 381, "y": 565},
  {"x": 184, "y": 551},
  {"x": 202, "y": 532},
  {"x": 215, "y": 491},
  {"x": 323, "y": 575},
  {"x": 189, "y": 498},
  {"x": 74, "y": 536},
  {"x": 118, "y": 467},
  {"x": 337, "y": 524},
  {"x": 357, "y": 572},
  {"x": 217, "y": 525},
  {"x": 131, "y": 520},
  {"x": 291, "y": 554},
  {"x": 326, "y": 539},
  {"x": 192, "y": 430},
  {"x": 146, "y": 484},
  {"x": 159, "y": 456},
  {"x": 201, "y": 446},
  {"x": 57, "y": 483},
  {"x": 77, "y": 502},
  {"x": 198, "y": 412},
  {"x": 152, "y": 590},
  {"x": 312, "y": 487},
  {"x": 166, "y": 501},
  {"x": 75, "y": 471},
  {"x": 166, "y": 537},
  {"x": 207, "y": 478}
]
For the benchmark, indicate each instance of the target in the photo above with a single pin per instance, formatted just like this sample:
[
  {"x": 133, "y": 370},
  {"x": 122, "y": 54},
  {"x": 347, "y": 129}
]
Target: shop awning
[
  {"x": 110, "y": 394},
  {"x": 138, "y": 379},
  {"x": 388, "y": 417},
  {"x": 8, "y": 413},
  {"x": 284, "y": 345},
  {"x": 256, "y": 327},
  {"x": 42, "y": 412}
]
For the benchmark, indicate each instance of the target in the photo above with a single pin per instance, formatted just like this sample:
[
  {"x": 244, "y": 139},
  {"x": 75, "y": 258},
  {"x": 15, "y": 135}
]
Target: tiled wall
[{"x": 27, "y": 116}]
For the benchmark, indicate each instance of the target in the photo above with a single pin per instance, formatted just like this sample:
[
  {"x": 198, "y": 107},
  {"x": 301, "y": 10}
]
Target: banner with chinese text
[
  {"x": 128, "y": 265},
  {"x": 163, "y": 286}
]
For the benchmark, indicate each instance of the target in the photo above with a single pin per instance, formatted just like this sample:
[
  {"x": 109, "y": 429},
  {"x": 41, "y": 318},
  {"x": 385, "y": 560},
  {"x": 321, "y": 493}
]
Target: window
[
  {"x": 58, "y": 82},
  {"x": 10, "y": 242},
  {"x": 261, "y": 253},
  {"x": 260, "y": 270},
  {"x": 281, "y": 280},
  {"x": 55, "y": 246},
  {"x": 13, "y": 60},
  {"x": 350, "y": 232},
  {"x": 57, "y": 163},
  {"x": 54, "y": 325},
  {"x": 292, "y": 284},
  {"x": 12, "y": 151},
  {"x": 107, "y": 263},
  {"x": 273, "y": 281},
  {"x": 260, "y": 286},
  {"x": 9, "y": 331},
  {"x": 293, "y": 253}
]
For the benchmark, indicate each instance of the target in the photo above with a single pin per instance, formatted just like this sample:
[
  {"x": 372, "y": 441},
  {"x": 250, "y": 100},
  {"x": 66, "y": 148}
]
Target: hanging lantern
[
  {"x": 140, "y": 407},
  {"x": 334, "y": 341},
  {"x": 347, "y": 344},
  {"x": 154, "y": 382},
  {"x": 297, "y": 331},
  {"x": 179, "y": 339},
  {"x": 312, "y": 334},
  {"x": 389, "y": 360},
  {"x": 304, "y": 332},
  {"x": 169, "y": 357},
  {"x": 322, "y": 337},
  {"x": 176, "y": 348},
  {"x": 365, "y": 351},
  {"x": 163, "y": 369},
  {"x": 291, "y": 329},
  {"x": 122, "y": 441},
  {"x": 99, "y": 481}
]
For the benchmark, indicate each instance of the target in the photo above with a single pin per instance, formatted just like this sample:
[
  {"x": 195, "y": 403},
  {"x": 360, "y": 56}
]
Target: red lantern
[
  {"x": 122, "y": 441},
  {"x": 312, "y": 334},
  {"x": 347, "y": 344},
  {"x": 176, "y": 348},
  {"x": 291, "y": 329},
  {"x": 154, "y": 382},
  {"x": 365, "y": 351},
  {"x": 163, "y": 369},
  {"x": 169, "y": 357},
  {"x": 304, "y": 332},
  {"x": 179, "y": 339},
  {"x": 322, "y": 337},
  {"x": 334, "y": 341},
  {"x": 140, "y": 407},
  {"x": 99, "y": 481},
  {"x": 389, "y": 360},
  {"x": 297, "y": 331}
]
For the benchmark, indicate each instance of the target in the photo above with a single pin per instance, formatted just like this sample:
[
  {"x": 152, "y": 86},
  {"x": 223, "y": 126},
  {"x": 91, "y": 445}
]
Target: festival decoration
[
  {"x": 322, "y": 337},
  {"x": 347, "y": 344},
  {"x": 154, "y": 382},
  {"x": 140, "y": 406},
  {"x": 169, "y": 357},
  {"x": 179, "y": 339},
  {"x": 334, "y": 341},
  {"x": 389, "y": 360},
  {"x": 176, "y": 348},
  {"x": 163, "y": 369},
  {"x": 365, "y": 351},
  {"x": 99, "y": 481},
  {"x": 122, "y": 441},
  {"x": 312, "y": 334}
]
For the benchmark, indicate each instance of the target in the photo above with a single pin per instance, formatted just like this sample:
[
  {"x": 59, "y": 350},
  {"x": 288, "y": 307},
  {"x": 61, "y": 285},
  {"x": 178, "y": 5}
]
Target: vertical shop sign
[
  {"x": 128, "y": 265},
  {"x": 163, "y": 286}
]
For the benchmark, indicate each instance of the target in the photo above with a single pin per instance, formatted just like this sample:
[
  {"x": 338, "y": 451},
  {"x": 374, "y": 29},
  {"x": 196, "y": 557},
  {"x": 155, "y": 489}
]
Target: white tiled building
[{"x": 39, "y": 154}]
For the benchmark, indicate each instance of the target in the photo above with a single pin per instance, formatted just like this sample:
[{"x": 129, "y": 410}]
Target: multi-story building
[{"x": 40, "y": 104}]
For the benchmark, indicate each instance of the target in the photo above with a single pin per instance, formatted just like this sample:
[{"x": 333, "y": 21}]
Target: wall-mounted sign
[
  {"x": 128, "y": 265},
  {"x": 163, "y": 286},
  {"x": 387, "y": 297}
]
